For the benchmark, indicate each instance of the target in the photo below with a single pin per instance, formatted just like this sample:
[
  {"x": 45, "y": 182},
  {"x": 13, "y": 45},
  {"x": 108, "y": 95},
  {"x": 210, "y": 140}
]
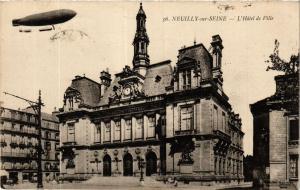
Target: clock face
[{"x": 127, "y": 90}]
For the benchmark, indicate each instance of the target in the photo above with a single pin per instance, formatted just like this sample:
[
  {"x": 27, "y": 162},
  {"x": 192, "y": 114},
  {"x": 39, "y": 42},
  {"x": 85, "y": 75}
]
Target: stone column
[
  {"x": 111, "y": 131},
  {"x": 145, "y": 126},
  {"x": 217, "y": 165},
  {"x": 221, "y": 165},
  {"x": 133, "y": 127},
  {"x": 157, "y": 115},
  {"x": 102, "y": 131},
  {"x": 20, "y": 177},
  {"x": 122, "y": 129}
]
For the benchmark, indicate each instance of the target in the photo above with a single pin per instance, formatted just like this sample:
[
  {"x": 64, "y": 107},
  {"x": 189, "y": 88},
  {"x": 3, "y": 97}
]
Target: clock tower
[{"x": 141, "y": 41}]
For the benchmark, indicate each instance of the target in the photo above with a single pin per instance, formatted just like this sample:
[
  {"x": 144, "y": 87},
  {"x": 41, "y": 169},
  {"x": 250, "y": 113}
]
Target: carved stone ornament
[
  {"x": 149, "y": 149},
  {"x": 125, "y": 150},
  {"x": 116, "y": 152},
  {"x": 137, "y": 151},
  {"x": 105, "y": 151},
  {"x": 130, "y": 90},
  {"x": 96, "y": 153}
]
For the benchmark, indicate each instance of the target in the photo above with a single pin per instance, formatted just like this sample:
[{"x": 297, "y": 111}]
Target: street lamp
[
  {"x": 141, "y": 164},
  {"x": 116, "y": 152},
  {"x": 36, "y": 106},
  {"x": 96, "y": 154}
]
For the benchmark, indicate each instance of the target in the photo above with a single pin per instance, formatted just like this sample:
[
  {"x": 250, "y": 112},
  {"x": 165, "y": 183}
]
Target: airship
[{"x": 50, "y": 18}]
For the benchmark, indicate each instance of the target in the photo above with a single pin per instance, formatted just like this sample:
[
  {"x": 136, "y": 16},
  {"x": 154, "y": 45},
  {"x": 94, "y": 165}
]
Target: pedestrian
[
  {"x": 2, "y": 181},
  {"x": 175, "y": 182}
]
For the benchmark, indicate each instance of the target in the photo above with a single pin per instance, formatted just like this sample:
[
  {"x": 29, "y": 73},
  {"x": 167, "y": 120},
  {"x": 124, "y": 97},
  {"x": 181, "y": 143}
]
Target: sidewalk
[{"x": 130, "y": 183}]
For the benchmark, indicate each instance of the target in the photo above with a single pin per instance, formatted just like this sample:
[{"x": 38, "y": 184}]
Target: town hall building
[{"x": 177, "y": 120}]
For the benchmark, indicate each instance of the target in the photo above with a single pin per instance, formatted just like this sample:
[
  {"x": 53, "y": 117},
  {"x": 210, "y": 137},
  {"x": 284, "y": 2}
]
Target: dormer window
[{"x": 186, "y": 79}]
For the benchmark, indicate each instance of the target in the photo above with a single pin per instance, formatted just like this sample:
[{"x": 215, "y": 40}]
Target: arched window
[
  {"x": 127, "y": 165},
  {"x": 151, "y": 163},
  {"x": 106, "y": 165}
]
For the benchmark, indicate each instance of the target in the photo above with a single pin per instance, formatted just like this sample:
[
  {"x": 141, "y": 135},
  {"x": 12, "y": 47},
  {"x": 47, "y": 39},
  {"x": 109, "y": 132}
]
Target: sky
[{"x": 100, "y": 36}]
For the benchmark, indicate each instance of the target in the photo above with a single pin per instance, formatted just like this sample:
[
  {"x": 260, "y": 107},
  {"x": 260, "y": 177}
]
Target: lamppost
[
  {"x": 96, "y": 154},
  {"x": 116, "y": 152},
  {"x": 37, "y": 107},
  {"x": 141, "y": 164}
]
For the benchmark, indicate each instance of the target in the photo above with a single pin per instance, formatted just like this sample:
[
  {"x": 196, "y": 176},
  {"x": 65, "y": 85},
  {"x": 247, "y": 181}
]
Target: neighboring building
[
  {"x": 248, "y": 168},
  {"x": 276, "y": 134},
  {"x": 176, "y": 119},
  {"x": 19, "y": 135},
  {"x": 50, "y": 145}
]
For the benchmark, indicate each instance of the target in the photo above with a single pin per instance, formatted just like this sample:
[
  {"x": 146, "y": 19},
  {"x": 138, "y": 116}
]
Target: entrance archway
[
  {"x": 151, "y": 163},
  {"x": 106, "y": 165},
  {"x": 127, "y": 165}
]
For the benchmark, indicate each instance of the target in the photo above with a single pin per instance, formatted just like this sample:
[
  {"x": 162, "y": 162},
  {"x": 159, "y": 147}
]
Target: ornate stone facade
[{"x": 178, "y": 120}]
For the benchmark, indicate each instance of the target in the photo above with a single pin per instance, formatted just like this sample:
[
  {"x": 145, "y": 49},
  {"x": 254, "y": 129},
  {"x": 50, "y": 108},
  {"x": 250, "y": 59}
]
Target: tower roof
[{"x": 141, "y": 11}]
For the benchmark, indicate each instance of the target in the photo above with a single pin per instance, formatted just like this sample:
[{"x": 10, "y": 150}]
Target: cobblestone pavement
[{"x": 130, "y": 183}]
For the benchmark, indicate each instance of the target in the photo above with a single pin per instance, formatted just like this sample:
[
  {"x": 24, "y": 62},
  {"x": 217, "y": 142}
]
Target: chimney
[
  {"x": 77, "y": 77},
  {"x": 217, "y": 47},
  {"x": 105, "y": 78}
]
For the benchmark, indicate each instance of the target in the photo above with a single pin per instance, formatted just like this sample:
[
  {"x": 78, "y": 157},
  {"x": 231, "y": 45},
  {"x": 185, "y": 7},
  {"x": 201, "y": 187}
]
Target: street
[{"x": 125, "y": 183}]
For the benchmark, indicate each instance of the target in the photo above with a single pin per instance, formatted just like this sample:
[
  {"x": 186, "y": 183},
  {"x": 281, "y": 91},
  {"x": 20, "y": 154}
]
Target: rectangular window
[
  {"x": 56, "y": 135},
  {"x": 215, "y": 117},
  {"x": 56, "y": 156},
  {"x": 186, "y": 79},
  {"x": 139, "y": 128},
  {"x": 186, "y": 118},
  {"x": 21, "y": 127},
  {"x": 71, "y": 132},
  {"x": 47, "y": 146},
  {"x": 13, "y": 126},
  {"x": 163, "y": 125},
  {"x": 294, "y": 130},
  {"x": 223, "y": 121},
  {"x": 97, "y": 133},
  {"x": 56, "y": 145},
  {"x": 293, "y": 166},
  {"x": 151, "y": 126},
  {"x": 189, "y": 79},
  {"x": 47, "y": 135},
  {"x": 107, "y": 134},
  {"x": 13, "y": 114},
  {"x": 117, "y": 130},
  {"x": 128, "y": 129}
]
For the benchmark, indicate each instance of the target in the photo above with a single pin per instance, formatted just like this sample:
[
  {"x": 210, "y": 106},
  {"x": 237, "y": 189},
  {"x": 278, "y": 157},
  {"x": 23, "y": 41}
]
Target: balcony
[
  {"x": 19, "y": 119},
  {"x": 13, "y": 154},
  {"x": 222, "y": 135},
  {"x": 185, "y": 132},
  {"x": 69, "y": 143},
  {"x": 293, "y": 143},
  {"x": 19, "y": 131}
]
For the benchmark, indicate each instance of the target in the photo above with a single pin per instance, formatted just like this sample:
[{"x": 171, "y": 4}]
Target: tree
[{"x": 279, "y": 64}]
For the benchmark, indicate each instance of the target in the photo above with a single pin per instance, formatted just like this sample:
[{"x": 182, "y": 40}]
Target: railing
[
  {"x": 69, "y": 143},
  {"x": 185, "y": 132},
  {"x": 19, "y": 118},
  {"x": 221, "y": 134},
  {"x": 293, "y": 142},
  {"x": 27, "y": 131},
  {"x": 14, "y": 154}
]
